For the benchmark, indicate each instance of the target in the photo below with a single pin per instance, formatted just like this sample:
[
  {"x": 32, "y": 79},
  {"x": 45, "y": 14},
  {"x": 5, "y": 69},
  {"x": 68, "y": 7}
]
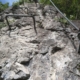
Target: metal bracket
[{"x": 20, "y": 15}]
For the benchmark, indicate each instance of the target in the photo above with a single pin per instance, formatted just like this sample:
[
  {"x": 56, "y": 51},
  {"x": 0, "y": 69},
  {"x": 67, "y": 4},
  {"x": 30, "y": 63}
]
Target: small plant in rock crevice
[{"x": 2, "y": 24}]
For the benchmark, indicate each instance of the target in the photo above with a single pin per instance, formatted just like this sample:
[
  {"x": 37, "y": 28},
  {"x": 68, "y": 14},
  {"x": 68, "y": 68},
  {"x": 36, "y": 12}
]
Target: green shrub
[
  {"x": 3, "y": 6},
  {"x": 21, "y": 2},
  {"x": 15, "y": 5},
  {"x": 2, "y": 24},
  {"x": 69, "y": 7}
]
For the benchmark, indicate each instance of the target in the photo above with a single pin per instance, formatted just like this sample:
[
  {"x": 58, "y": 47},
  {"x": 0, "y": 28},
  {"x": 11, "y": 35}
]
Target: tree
[
  {"x": 3, "y": 6},
  {"x": 69, "y": 7}
]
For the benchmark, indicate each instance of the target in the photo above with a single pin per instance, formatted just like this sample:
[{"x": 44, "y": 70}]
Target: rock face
[{"x": 49, "y": 55}]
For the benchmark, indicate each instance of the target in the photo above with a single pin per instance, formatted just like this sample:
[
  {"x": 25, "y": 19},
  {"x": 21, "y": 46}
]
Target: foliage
[
  {"x": 64, "y": 21},
  {"x": 70, "y": 7},
  {"x": 3, "y": 6},
  {"x": 17, "y": 3},
  {"x": 2, "y": 24},
  {"x": 21, "y": 2},
  {"x": 45, "y": 1}
]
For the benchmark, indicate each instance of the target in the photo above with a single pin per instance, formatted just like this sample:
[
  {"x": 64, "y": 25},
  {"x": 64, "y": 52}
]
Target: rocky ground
[{"x": 47, "y": 55}]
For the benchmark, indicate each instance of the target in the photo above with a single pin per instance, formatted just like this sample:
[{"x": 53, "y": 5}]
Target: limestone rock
[{"x": 49, "y": 55}]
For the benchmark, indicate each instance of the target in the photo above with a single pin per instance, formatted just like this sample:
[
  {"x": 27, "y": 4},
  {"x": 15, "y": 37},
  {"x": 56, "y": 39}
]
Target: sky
[{"x": 10, "y": 1}]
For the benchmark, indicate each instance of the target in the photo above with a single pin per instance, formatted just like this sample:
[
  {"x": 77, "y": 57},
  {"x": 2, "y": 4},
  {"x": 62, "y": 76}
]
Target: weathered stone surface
[{"x": 49, "y": 55}]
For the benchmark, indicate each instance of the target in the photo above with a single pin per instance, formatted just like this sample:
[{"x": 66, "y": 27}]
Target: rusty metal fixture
[
  {"x": 26, "y": 14},
  {"x": 20, "y": 15}
]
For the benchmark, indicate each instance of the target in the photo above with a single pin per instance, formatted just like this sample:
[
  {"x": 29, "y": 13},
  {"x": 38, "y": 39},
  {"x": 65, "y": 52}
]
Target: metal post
[
  {"x": 8, "y": 23},
  {"x": 34, "y": 24},
  {"x": 79, "y": 43}
]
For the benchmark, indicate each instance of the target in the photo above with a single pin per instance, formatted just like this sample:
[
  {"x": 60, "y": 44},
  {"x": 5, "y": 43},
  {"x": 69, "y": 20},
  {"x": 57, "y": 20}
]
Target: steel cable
[{"x": 64, "y": 16}]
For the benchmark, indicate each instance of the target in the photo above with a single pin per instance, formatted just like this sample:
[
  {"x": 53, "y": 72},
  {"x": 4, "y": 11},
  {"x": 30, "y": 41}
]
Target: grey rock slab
[
  {"x": 47, "y": 55},
  {"x": 51, "y": 24},
  {"x": 18, "y": 72},
  {"x": 44, "y": 46}
]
